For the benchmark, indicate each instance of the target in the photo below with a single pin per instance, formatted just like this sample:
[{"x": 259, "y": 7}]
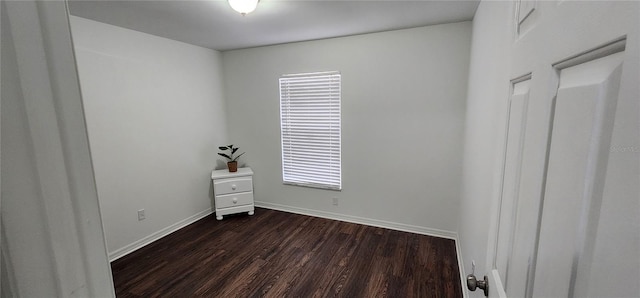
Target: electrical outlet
[
  {"x": 335, "y": 201},
  {"x": 141, "y": 215}
]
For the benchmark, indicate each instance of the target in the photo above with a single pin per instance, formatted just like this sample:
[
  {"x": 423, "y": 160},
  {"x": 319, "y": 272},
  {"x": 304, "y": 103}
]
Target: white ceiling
[{"x": 213, "y": 24}]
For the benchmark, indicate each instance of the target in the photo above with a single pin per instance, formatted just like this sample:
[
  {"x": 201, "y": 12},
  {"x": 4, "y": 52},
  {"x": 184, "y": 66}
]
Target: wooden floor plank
[{"x": 279, "y": 254}]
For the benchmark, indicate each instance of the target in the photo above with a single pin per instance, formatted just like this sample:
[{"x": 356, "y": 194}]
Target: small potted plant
[{"x": 233, "y": 161}]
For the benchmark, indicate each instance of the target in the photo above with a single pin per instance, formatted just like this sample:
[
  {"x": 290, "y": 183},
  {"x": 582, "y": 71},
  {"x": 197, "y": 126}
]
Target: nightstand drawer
[
  {"x": 232, "y": 185},
  {"x": 231, "y": 200}
]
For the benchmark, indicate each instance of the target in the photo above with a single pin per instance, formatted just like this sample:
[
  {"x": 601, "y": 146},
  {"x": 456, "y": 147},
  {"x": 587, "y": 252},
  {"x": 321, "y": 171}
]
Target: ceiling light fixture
[{"x": 243, "y": 6}]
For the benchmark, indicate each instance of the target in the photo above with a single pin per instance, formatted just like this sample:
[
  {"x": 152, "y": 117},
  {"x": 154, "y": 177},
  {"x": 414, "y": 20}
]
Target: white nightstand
[{"x": 233, "y": 191}]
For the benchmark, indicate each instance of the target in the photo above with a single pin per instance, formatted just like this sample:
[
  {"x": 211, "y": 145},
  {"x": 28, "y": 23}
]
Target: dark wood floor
[{"x": 279, "y": 254}]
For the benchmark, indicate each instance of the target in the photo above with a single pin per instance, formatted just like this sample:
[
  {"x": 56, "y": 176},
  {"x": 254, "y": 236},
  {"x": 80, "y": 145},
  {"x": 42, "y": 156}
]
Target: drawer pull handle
[
  {"x": 233, "y": 187},
  {"x": 235, "y": 200}
]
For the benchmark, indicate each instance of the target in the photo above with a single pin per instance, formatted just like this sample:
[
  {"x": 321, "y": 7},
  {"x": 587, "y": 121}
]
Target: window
[{"x": 310, "y": 128}]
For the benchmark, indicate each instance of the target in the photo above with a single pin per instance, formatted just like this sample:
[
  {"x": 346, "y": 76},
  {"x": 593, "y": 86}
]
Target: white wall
[
  {"x": 484, "y": 130},
  {"x": 155, "y": 116},
  {"x": 403, "y": 109}
]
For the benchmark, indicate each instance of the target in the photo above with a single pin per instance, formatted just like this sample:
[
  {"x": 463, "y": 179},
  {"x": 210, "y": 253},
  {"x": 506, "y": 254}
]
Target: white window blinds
[{"x": 310, "y": 127}]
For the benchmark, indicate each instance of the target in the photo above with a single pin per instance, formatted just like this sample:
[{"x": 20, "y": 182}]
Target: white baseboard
[
  {"x": 360, "y": 220},
  {"x": 121, "y": 252}
]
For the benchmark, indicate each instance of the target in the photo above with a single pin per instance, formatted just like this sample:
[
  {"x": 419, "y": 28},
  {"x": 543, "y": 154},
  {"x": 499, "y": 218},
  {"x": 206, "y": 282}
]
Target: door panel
[
  {"x": 582, "y": 126},
  {"x": 511, "y": 179},
  {"x": 505, "y": 264},
  {"x": 525, "y": 224},
  {"x": 526, "y": 16}
]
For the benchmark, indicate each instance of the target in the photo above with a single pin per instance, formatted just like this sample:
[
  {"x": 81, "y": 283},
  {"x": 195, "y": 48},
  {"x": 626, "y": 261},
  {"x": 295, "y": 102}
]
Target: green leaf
[
  {"x": 227, "y": 156},
  {"x": 222, "y": 148},
  {"x": 238, "y": 156},
  {"x": 234, "y": 150},
  {"x": 230, "y": 146}
]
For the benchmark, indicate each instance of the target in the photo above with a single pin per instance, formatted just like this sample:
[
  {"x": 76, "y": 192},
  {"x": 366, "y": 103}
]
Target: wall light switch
[{"x": 141, "y": 215}]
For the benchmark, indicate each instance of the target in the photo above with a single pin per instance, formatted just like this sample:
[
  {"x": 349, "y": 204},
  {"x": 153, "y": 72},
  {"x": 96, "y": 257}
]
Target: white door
[
  {"x": 569, "y": 217},
  {"x": 52, "y": 238}
]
